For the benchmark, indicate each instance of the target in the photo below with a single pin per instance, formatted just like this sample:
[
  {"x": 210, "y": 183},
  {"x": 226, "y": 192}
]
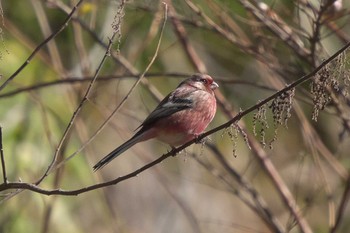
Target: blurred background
[{"x": 282, "y": 168}]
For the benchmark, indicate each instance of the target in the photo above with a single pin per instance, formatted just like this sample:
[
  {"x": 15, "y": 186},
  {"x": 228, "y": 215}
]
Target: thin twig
[
  {"x": 2, "y": 158},
  {"x": 314, "y": 40},
  {"x": 182, "y": 35},
  {"x": 82, "y": 102},
  {"x": 109, "y": 118},
  {"x": 279, "y": 28},
  {"x": 46, "y": 31},
  {"x": 342, "y": 206},
  {"x": 77, "y": 111},
  {"x": 105, "y": 78},
  {"x": 260, "y": 207},
  {"x": 41, "y": 45}
]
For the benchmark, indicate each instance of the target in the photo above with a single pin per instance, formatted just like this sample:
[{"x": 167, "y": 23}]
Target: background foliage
[{"x": 283, "y": 167}]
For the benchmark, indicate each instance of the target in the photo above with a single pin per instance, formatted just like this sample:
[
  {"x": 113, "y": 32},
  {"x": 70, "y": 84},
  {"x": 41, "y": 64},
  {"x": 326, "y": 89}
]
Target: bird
[{"x": 180, "y": 117}]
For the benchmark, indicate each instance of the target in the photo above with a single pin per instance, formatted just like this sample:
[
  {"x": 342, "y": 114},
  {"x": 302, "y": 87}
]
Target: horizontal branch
[
  {"x": 105, "y": 78},
  {"x": 37, "y": 189}
]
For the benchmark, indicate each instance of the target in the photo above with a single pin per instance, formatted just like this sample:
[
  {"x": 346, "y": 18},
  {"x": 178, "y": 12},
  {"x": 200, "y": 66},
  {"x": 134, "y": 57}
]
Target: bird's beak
[{"x": 214, "y": 85}]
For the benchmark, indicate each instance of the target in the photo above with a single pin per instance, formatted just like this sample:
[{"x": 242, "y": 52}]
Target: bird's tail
[{"x": 108, "y": 158}]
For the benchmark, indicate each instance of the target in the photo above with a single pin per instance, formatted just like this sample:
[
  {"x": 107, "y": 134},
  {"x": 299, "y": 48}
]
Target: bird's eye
[{"x": 203, "y": 81}]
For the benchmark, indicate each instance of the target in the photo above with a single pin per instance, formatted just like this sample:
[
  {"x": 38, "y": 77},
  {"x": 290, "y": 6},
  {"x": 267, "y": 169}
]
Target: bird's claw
[
  {"x": 201, "y": 140},
  {"x": 171, "y": 150}
]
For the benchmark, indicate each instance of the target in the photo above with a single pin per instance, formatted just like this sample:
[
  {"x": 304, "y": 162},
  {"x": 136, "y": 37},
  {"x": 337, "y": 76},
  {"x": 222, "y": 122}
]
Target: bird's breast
[{"x": 185, "y": 125}]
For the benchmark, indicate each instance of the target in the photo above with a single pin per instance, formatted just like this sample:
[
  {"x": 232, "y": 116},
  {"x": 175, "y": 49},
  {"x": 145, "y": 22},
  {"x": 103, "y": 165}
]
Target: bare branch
[
  {"x": 2, "y": 159},
  {"x": 342, "y": 206},
  {"x": 40, "y": 46}
]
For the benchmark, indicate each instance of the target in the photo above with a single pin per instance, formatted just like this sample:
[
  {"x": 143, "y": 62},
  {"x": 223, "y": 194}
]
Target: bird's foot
[
  {"x": 172, "y": 149},
  {"x": 201, "y": 141}
]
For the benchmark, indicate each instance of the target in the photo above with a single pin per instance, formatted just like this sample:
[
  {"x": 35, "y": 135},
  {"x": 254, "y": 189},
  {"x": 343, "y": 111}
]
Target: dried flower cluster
[
  {"x": 117, "y": 23},
  {"x": 323, "y": 83},
  {"x": 233, "y": 131},
  {"x": 331, "y": 79},
  {"x": 281, "y": 107},
  {"x": 260, "y": 118}
]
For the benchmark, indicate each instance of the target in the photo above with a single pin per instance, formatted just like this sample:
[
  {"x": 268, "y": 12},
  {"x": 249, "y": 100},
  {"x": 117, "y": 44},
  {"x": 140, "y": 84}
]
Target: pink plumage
[{"x": 180, "y": 116}]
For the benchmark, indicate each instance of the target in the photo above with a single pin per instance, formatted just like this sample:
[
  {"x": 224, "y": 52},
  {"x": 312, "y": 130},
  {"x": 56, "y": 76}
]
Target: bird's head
[{"x": 202, "y": 82}]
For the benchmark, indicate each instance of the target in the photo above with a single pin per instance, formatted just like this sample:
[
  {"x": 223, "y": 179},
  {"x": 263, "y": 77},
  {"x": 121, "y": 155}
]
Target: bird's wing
[{"x": 168, "y": 106}]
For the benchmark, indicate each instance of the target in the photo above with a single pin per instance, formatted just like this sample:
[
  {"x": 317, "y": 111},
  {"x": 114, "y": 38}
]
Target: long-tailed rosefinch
[{"x": 180, "y": 117}]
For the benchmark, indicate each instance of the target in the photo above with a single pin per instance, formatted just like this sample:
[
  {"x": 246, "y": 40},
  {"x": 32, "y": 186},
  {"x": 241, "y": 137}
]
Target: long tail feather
[{"x": 108, "y": 158}]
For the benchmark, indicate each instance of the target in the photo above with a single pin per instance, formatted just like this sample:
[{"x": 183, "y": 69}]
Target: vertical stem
[{"x": 2, "y": 158}]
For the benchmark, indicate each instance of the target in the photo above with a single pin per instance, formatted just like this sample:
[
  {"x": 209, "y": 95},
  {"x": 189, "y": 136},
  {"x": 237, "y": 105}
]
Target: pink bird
[{"x": 180, "y": 117}]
